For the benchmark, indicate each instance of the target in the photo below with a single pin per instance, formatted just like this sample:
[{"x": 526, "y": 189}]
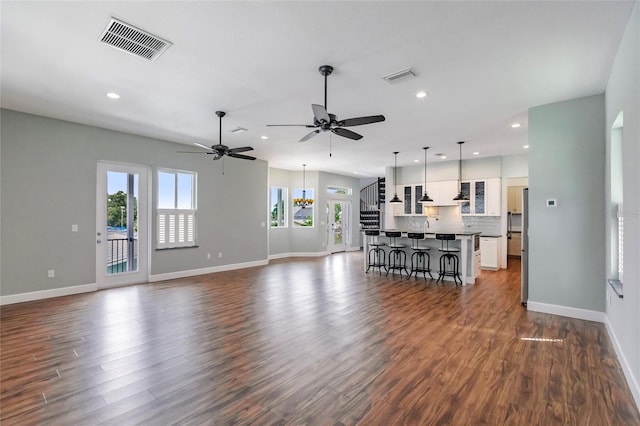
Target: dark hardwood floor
[{"x": 307, "y": 341}]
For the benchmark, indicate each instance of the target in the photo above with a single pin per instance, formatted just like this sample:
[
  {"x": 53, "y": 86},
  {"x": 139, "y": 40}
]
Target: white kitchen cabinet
[
  {"x": 443, "y": 192},
  {"x": 514, "y": 244},
  {"x": 490, "y": 253},
  {"x": 410, "y": 196},
  {"x": 514, "y": 199},
  {"x": 494, "y": 197},
  {"x": 484, "y": 197}
]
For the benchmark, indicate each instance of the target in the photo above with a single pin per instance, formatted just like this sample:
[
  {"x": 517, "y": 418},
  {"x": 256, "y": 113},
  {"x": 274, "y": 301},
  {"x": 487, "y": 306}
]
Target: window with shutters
[{"x": 176, "y": 210}]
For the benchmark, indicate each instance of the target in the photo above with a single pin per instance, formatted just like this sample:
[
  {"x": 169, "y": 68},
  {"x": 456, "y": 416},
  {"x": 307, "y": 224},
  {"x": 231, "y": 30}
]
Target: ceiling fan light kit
[
  {"x": 395, "y": 199},
  {"x": 324, "y": 121},
  {"x": 460, "y": 197},
  {"x": 425, "y": 197}
]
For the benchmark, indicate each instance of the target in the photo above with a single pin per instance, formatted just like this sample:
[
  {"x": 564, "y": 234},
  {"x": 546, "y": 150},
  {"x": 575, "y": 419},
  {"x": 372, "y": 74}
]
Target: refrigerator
[{"x": 524, "y": 258}]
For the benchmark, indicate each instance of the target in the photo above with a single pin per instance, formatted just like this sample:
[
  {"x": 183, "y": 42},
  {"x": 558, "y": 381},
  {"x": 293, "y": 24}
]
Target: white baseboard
[
  {"x": 626, "y": 368},
  {"x": 566, "y": 311},
  {"x": 47, "y": 294},
  {"x": 203, "y": 271},
  {"x": 298, "y": 254}
]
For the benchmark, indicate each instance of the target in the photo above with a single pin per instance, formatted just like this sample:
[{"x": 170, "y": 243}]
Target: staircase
[{"x": 371, "y": 199}]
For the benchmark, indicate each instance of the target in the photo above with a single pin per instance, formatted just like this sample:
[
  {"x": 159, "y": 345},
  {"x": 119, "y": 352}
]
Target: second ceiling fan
[{"x": 323, "y": 121}]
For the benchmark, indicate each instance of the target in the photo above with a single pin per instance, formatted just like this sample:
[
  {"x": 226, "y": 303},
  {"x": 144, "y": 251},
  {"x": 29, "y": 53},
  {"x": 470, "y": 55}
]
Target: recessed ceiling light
[
  {"x": 476, "y": 153},
  {"x": 442, "y": 156},
  {"x": 264, "y": 137},
  {"x": 113, "y": 95},
  {"x": 421, "y": 94},
  {"x": 515, "y": 125},
  {"x": 526, "y": 146},
  {"x": 356, "y": 173},
  {"x": 416, "y": 161}
]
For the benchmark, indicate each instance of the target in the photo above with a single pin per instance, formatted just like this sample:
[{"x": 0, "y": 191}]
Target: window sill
[
  {"x": 616, "y": 285},
  {"x": 175, "y": 248}
]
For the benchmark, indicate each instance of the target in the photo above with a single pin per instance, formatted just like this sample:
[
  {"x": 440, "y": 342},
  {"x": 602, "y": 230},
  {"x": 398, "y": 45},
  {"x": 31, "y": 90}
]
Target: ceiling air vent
[
  {"x": 130, "y": 39},
  {"x": 400, "y": 76}
]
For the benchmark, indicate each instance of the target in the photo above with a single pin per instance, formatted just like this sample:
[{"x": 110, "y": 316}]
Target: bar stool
[
  {"x": 420, "y": 259},
  {"x": 375, "y": 255},
  {"x": 448, "y": 257},
  {"x": 397, "y": 256}
]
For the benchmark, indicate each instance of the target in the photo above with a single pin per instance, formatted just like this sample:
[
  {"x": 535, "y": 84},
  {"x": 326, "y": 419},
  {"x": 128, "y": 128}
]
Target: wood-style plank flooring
[{"x": 307, "y": 341}]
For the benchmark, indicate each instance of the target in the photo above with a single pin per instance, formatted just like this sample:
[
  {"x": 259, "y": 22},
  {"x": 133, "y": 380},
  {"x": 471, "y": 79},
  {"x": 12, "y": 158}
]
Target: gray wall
[
  {"x": 476, "y": 168},
  {"x": 623, "y": 94},
  {"x": 566, "y": 243},
  {"x": 286, "y": 241},
  {"x": 49, "y": 183}
]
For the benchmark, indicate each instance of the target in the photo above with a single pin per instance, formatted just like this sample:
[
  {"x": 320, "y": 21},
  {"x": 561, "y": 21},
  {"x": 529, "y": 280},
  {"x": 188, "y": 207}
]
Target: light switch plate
[{"x": 74, "y": 228}]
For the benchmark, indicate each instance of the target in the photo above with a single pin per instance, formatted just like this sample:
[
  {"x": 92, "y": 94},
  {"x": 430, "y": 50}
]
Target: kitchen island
[{"x": 465, "y": 240}]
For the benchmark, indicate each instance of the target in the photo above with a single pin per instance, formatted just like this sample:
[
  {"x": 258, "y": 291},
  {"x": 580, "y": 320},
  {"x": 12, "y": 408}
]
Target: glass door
[
  {"x": 338, "y": 222},
  {"x": 121, "y": 225}
]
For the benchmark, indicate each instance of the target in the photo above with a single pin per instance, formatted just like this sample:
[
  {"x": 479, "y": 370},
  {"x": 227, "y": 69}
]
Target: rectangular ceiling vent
[
  {"x": 133, "y": 40},
  {"x": 400, "y": 76}
]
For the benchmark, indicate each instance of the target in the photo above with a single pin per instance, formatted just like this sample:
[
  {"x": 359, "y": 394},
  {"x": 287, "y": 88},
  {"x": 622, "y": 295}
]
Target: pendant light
[
  {"x": 460, "y": 197},
  {"x": 395, "y": 198},
  {"x": 303, "y": 202},
  {"x": 425, "y": 198}
]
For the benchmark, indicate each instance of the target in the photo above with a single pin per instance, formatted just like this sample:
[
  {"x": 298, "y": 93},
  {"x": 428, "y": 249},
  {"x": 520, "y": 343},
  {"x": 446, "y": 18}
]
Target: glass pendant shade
[
  {"x": 425, "y": 197},
  {"x": 395, "y": 199},
  {"x": 460, "y": 197}
]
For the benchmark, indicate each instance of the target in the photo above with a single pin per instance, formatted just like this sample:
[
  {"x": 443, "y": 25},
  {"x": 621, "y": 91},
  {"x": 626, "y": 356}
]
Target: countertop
[{"x": 439, "y": 231}]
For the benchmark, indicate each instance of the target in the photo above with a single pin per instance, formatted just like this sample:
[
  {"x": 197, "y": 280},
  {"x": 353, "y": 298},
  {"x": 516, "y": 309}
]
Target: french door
[
  {"x": 338, "y": 221},
  {"x": 122, "y": 224}
]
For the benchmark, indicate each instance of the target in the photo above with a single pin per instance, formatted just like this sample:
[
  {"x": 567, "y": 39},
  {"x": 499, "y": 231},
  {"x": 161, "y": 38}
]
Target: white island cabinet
[{"x": 464, "y": 240}]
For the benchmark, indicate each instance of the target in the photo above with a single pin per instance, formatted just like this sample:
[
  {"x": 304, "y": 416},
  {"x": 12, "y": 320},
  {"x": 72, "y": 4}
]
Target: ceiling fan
[
  {"x": 218, "y": 151},
  {"x": 323, "y": 121}
]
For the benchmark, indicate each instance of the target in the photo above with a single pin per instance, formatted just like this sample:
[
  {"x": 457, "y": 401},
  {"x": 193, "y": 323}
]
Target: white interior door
[
  {"x": 338, "y": 222},
  {"x": 122, "y": 224}
]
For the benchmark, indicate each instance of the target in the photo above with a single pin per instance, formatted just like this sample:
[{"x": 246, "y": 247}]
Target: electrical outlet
[
  {"x": 74, "y": 228},
  {"x": 208, "y": 255},
  {"x": 51, "y": 273},
  {"x": 220, "y": 255},
  {"x": 262, "y": 224}
]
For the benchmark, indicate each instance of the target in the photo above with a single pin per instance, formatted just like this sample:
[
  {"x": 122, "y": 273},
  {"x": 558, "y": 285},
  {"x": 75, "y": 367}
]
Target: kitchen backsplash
[{"x": 448, "y": 218}]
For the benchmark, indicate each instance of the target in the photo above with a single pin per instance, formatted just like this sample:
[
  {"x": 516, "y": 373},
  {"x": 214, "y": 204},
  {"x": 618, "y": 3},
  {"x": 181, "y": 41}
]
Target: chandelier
[{"x": 303, "y": 202}]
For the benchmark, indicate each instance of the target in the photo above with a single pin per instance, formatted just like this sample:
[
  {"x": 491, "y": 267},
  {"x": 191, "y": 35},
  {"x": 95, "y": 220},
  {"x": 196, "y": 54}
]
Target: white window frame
[
  {"x": 617, "y": 198},
  {"x": 177, "y": 228},
  {"x": 282, "y": 200},
  {"x": 339, "y": 191}
]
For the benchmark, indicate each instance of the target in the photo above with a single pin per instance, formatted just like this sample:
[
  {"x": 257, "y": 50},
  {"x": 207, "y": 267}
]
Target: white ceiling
[{"x": 482, "y": 63}]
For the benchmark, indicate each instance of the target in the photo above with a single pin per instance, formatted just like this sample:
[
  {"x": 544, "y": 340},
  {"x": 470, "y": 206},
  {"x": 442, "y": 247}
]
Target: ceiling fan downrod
[{"x": 326, "y": 71}]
